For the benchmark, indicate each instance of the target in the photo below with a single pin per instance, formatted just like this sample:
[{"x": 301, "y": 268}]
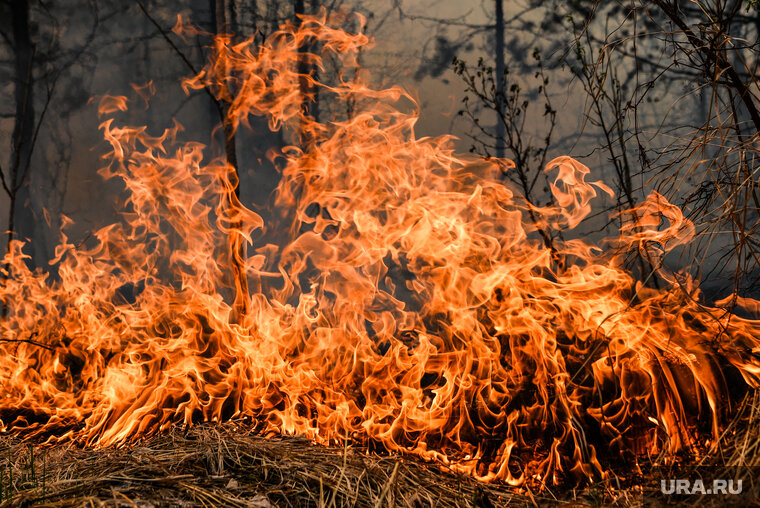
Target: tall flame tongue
[{"x": 410, "y": 303}]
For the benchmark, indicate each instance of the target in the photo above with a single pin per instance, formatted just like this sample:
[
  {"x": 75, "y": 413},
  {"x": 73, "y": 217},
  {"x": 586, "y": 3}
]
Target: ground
[{"x": 213, "y": 465}]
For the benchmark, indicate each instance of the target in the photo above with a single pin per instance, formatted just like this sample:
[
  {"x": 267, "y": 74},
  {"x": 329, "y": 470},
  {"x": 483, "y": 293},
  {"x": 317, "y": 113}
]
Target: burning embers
[{"x": 409, "y": 305}]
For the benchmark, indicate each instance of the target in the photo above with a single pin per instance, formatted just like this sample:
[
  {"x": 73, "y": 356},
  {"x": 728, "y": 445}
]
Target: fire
[{"x": 403, "y": 300}]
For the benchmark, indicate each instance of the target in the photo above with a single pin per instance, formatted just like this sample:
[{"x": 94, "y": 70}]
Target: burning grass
[
  {"x": 227, "y": 465},
  {"x": 401, "y": 299}
]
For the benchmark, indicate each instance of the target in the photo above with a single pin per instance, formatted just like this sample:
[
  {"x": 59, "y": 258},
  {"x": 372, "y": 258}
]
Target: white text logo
[{"x": 669, "y": 487}]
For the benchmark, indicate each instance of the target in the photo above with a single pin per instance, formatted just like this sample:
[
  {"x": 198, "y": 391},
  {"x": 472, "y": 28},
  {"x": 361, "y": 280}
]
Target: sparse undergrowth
[
  {"x": 222, "y": 465},
  {"x": 225, "y": 465}
]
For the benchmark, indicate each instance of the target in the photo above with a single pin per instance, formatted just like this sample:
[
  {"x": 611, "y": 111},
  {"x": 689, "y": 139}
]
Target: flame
[{"x": 404, "y": 301}]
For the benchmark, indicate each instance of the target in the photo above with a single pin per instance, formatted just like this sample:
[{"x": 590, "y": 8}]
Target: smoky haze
[{"x": 58, "y": 59}]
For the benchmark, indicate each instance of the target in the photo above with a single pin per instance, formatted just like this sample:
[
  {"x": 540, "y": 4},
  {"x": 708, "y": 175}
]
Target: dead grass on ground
[{"x": 227, "y": 465}]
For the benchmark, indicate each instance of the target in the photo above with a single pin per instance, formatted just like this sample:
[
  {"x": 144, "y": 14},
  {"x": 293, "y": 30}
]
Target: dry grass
[
  {"x": 223, "y": 465},
  {"x": 226, "y": 465}
]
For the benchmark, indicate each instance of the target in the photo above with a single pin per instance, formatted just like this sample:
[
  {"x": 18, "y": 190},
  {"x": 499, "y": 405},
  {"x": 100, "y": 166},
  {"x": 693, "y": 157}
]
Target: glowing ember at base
[{"x": 408, "y": 304}]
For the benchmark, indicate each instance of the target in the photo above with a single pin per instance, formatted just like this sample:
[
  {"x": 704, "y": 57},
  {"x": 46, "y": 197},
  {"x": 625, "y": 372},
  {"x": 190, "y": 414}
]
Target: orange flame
[{"x": 407, "y": 304}]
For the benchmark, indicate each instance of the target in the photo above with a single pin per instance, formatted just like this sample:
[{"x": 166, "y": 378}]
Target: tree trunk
[
  {"x": 314, "y": 106},
  {"x": 236, "y": 246},
  {"x": 21, "y": 223},
  {"x": 303, "y": 71},
  {"x": 499, "y": 78}
]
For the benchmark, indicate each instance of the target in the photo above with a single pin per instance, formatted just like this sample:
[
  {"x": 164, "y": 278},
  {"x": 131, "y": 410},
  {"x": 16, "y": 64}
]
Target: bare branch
[{"x": 179, "y": 53}]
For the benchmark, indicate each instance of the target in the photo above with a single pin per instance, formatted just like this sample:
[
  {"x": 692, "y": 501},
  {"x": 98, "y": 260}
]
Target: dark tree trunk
[
  {"x": 236, "y": 246},
  {"x": 304, "y": 69},
  {"x": 499, "y": 50},
  {"x": 21, "y": 218},
  {"x": 314, "y": 106}
]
